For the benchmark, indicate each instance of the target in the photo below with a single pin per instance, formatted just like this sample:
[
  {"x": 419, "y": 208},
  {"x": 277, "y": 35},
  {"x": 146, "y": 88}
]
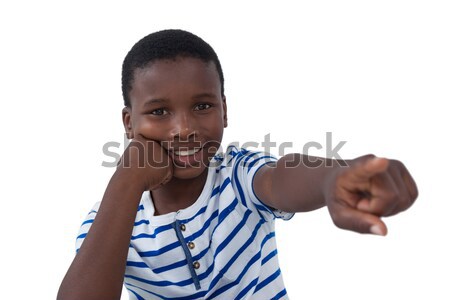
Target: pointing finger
[
  {"x": 367, "y": 169},
  {"x": 357, "y": 178}
]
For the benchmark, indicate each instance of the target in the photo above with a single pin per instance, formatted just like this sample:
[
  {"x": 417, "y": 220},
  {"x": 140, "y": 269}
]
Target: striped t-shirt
[{"x": 221, "y": 247}]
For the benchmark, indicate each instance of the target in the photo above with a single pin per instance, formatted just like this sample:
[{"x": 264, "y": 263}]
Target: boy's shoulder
[{"x": 241, "y": 157}]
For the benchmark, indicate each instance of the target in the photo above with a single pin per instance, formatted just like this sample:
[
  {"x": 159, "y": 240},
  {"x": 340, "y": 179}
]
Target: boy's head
[
  {"x": 172, "y": 85},
  {"x": 165, "y": 44}
]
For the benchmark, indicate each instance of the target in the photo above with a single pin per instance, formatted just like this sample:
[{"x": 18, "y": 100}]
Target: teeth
[{"x": 186, "y": 153}]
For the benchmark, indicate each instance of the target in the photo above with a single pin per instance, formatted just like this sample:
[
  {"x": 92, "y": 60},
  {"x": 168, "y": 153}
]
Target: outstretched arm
[{"x": 357, "y": 192}]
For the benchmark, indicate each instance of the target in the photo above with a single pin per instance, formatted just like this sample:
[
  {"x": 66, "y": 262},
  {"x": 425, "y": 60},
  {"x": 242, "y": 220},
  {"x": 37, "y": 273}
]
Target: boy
[{"x": 178, "y": 221}]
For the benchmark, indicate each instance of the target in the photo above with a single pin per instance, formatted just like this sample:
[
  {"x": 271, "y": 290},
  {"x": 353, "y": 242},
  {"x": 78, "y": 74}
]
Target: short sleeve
[
  {"x": 246, "y": 165},
  {"x": 85, "y": 226}
]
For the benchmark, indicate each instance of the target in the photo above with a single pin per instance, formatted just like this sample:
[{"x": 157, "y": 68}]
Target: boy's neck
[{"x": 178, "y": 194}]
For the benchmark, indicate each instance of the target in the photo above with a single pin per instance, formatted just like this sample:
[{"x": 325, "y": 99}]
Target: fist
[
  {"x": 148, "y": 162},
  {"x": 358, "y": 196}
]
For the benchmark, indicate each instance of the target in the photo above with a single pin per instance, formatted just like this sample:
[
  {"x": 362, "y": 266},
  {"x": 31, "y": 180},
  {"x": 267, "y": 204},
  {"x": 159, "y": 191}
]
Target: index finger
[{"x": 367, "y": 169}]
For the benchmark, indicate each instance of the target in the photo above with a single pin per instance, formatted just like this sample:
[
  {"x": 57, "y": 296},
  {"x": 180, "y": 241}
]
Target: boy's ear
[
  {"x": 126, "y": 119},
  {"x": 225, "y": 118}
]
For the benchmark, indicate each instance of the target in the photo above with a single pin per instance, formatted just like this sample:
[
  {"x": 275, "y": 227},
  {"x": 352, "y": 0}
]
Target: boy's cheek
[{"x": 150, "y": 131}]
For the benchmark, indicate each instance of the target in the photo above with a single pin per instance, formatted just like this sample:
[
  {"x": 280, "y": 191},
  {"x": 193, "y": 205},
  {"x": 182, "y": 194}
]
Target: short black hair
[{"x": 165, "y": 44}]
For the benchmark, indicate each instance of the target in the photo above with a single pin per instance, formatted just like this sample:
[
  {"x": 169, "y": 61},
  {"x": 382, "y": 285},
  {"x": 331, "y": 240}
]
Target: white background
[{"x": 374, "y": 73}]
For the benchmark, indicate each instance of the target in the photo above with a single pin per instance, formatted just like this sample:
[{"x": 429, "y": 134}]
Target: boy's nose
[{"x": 183, "y": 128}]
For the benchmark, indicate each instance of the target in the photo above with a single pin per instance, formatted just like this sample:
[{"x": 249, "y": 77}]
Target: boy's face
[{"x": 179, "y": 104}]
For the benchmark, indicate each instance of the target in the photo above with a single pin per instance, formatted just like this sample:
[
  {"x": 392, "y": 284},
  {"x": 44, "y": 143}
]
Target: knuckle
[
  {"x": 406, "y": 199},
  {"x": 414, "y": 192},
  {"x": 394, "y": 163},
  {"x": 390, "y": 201},
  {"x": 392, "y": 196}
]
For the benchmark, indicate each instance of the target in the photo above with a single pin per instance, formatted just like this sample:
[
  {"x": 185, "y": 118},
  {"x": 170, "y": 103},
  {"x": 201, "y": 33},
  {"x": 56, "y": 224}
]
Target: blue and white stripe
[{"x": 232, "y": 232}]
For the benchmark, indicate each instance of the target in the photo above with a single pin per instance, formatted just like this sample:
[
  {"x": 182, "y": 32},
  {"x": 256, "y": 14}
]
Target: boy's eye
[
  {"x": 202, "y": 106},
  {"x": 158, "y": 112}
]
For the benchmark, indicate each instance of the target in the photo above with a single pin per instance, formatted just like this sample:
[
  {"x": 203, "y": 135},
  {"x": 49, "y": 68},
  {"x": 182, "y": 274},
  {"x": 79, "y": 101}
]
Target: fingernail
[{"x": 375, "y": 229}]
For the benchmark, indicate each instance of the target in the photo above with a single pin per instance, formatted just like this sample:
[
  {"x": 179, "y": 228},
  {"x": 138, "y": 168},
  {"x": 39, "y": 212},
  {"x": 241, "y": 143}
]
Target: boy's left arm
[{"x": 357, "y": 192}]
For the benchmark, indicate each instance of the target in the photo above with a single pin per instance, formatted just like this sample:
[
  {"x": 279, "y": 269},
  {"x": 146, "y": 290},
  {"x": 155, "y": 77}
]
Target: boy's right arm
[{"x": 98, "y": 269}]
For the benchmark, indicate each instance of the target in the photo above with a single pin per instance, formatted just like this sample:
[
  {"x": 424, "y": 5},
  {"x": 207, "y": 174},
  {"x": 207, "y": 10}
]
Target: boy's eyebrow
[
  {"x": 205, "y": 95},
  {"x": 163, "y": 100},
  {"x": 155, "y": 101}
]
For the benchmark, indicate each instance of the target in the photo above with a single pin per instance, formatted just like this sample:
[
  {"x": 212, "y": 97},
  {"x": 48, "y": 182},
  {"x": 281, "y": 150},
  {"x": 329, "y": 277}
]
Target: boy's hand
[
  {"x": 370, "y": 188},
  {"x": 146, "y": 161}
]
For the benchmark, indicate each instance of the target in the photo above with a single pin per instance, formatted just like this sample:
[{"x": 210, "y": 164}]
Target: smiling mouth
[
  {"x": 187, "y": 152},
  {"x": 187, "y": 158}
]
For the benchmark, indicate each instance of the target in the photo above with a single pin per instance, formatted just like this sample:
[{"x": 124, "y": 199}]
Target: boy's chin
[{"x": 188, "y": 172}]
